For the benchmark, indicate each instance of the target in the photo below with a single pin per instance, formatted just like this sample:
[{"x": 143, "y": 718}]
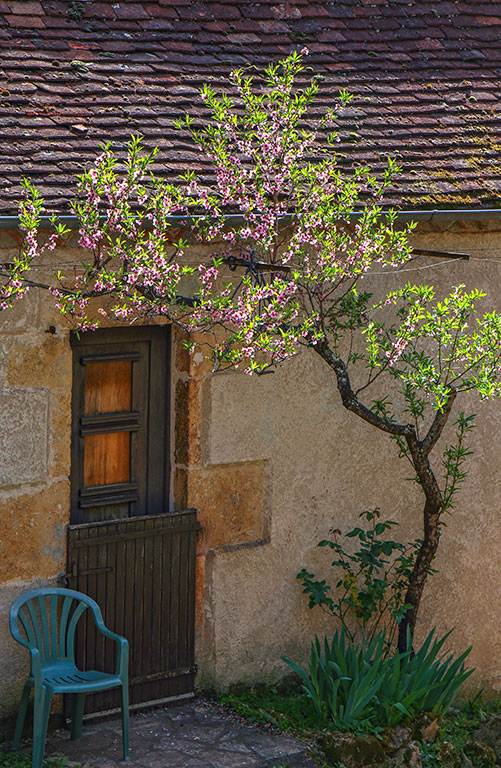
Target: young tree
[{"x": 308, "y": 236}]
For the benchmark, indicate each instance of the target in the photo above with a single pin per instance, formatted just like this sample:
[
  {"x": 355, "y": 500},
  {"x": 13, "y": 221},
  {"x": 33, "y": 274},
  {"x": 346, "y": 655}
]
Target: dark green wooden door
[{"x": 125, "y": 548}]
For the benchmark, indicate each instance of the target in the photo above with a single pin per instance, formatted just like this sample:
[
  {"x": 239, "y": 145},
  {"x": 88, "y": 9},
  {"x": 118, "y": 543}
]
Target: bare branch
[{"x": 350, "y": 400}]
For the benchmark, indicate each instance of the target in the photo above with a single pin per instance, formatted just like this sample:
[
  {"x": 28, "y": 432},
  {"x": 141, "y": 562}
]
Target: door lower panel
[{"x": 141, "y": 572}]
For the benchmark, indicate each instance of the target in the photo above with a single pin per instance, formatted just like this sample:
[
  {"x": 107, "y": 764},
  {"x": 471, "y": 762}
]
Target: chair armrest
[
  {"x": 123, "y": 649},
  {"x": 14, "y": 631},
  {"x": 36, "y": 663}
]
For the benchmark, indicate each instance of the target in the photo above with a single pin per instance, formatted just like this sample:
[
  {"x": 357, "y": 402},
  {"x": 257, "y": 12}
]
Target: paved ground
[{"x": 192, "y": 735}]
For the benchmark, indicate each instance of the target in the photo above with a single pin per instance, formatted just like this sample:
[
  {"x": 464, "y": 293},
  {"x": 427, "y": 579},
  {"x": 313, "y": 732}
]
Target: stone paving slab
[{"x": 197, "y": 734}]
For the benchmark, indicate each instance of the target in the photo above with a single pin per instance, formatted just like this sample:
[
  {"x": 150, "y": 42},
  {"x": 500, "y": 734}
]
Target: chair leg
[
  {"x": 21, "y": 715},
  {"x": 77, "y": 715},
  {"x": 125, "y": 720},
  {"x": 40, "y": 722}
]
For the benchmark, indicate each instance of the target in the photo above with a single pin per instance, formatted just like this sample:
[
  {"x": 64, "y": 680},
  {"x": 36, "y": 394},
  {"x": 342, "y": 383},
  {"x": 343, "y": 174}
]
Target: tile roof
[{"x": 427, "y": 76}]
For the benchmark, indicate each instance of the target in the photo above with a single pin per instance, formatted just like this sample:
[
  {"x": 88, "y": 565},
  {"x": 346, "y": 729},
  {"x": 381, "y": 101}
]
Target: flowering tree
[{"x": 306, "y": 237}]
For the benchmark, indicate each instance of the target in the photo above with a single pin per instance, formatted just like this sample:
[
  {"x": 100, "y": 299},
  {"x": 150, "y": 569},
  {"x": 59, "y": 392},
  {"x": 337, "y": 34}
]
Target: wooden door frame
[{"x": 158, "y": 446}]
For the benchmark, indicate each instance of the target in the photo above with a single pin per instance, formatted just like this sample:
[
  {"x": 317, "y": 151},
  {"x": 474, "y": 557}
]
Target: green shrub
[
  {"x": 357, "y": 683},
  {"x": 372, "y": 578}
]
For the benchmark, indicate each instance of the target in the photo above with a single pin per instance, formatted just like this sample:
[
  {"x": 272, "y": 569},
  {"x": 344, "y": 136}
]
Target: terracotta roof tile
[
  {"x": 427, "y": 77},
  {"x": 28, "y": 8}
]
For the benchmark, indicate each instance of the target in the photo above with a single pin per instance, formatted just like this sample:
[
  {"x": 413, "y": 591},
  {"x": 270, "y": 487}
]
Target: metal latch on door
[{"x": 74, "y": 573}]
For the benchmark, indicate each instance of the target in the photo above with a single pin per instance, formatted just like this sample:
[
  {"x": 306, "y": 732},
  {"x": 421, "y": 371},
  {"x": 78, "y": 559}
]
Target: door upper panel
[{"x": 120, "y": 449}]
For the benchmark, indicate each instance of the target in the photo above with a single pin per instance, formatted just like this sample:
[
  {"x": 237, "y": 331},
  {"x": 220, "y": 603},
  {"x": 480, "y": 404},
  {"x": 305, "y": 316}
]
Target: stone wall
[
  {"x": 271, "y": 463},
  {"x": 35, "y": 371}
]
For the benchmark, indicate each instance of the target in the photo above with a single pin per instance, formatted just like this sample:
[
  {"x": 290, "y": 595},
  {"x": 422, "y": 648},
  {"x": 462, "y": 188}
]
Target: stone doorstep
[{"x": 197, "y": 734}]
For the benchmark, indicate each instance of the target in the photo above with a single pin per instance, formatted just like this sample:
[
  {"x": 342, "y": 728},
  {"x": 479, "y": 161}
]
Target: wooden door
[
  {"x": 125, "y": 549},
  {"x": 141, "y": 572}
]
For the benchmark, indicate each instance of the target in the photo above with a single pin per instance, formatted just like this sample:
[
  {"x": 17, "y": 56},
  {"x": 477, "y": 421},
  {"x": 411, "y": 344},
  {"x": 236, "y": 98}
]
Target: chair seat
[{"x": 67, "y": 678}]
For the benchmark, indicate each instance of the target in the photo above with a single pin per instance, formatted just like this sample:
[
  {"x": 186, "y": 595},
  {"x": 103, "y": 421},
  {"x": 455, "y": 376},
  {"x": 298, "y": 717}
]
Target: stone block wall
[{"x": 35, "y": 402}]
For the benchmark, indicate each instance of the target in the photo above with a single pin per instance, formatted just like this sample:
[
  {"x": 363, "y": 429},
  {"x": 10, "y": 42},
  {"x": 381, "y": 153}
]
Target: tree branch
[
  {"x": 438, "y": 424},
  {"x": 350, "y": 400}
]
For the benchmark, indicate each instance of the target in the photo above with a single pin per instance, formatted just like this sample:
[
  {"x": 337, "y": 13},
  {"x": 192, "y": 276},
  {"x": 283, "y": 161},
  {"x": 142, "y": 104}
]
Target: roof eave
[{"x": 432, "y": 215}]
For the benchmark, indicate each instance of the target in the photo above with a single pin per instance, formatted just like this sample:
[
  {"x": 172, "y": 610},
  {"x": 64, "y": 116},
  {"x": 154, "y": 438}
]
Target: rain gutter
[{"x": 430, "y": 216}]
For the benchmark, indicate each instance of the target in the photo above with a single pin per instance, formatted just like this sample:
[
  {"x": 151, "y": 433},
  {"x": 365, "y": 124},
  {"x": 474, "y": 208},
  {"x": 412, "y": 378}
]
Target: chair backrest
[{"x": 49, "y": 617}]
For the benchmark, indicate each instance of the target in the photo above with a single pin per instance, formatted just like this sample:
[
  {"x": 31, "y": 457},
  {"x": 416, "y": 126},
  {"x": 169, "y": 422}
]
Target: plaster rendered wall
[
  {"x": 319, "y": 467},
  {"x": 271, "y": 464}
]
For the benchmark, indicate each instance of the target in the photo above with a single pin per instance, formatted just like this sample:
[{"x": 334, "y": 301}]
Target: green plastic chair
[{"x": 49, "y": 618}]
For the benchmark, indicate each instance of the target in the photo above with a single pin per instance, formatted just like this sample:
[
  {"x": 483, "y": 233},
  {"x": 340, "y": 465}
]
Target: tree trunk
[
  {"x": 419, "y": 451},
  {"x": 419, "y": 574},
  {"x": 429, "y": 546}
]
